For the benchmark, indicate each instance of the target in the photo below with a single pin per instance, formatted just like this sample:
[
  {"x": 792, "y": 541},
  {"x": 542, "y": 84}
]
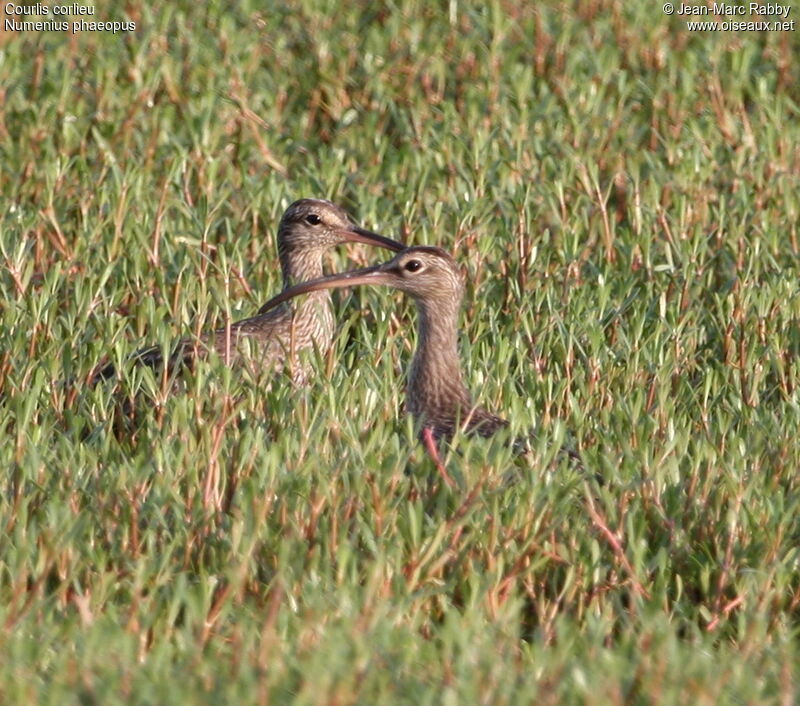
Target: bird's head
[
  {"x": 317, "y": 225},
  {"x": 425, "y": 273}
]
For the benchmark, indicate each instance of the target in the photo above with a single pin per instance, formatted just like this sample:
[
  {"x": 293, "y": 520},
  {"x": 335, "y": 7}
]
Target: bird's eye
[
  {"x": 413, "y": 266},
  {"x": 313, "y": 219}
]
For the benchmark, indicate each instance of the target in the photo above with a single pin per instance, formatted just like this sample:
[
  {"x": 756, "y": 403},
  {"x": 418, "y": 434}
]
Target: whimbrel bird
[
  {"x": 307, "y": 230},
  {"x": 436, "y": 397}
]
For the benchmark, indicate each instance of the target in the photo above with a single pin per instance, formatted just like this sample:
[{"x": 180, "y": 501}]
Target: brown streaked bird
[
  {"x": 436, "y": 396},
  {"x": 308, "y": 229}
]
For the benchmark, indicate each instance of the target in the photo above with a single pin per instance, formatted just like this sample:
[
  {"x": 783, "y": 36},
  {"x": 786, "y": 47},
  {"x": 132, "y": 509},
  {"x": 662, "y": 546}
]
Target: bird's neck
[
  {"x": 437, "y": 347},
  {"x": 437, "y": 397},
  {"x": 300, "y": 265},
  {"x": 435, "y": 379}
]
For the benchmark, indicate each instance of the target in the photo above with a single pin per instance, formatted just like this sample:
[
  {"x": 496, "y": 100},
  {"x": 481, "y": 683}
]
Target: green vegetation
[{"x": 624, "y": 195}]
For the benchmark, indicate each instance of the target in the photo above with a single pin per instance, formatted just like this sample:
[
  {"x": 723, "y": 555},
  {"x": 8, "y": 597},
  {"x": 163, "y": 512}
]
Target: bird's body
[
  {"x": 274, "y": 339},
  {"x": 436, "y": 397}
]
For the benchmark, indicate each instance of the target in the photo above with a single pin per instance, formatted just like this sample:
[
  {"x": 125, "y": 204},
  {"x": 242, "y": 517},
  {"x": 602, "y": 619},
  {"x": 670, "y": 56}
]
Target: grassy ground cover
[{"x": 624, "y": 197}]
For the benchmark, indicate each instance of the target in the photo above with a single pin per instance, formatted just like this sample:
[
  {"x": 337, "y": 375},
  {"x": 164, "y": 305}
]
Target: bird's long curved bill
[
  {"x": 357, "y": 234},
  {"x": 378, "y": 274}
]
